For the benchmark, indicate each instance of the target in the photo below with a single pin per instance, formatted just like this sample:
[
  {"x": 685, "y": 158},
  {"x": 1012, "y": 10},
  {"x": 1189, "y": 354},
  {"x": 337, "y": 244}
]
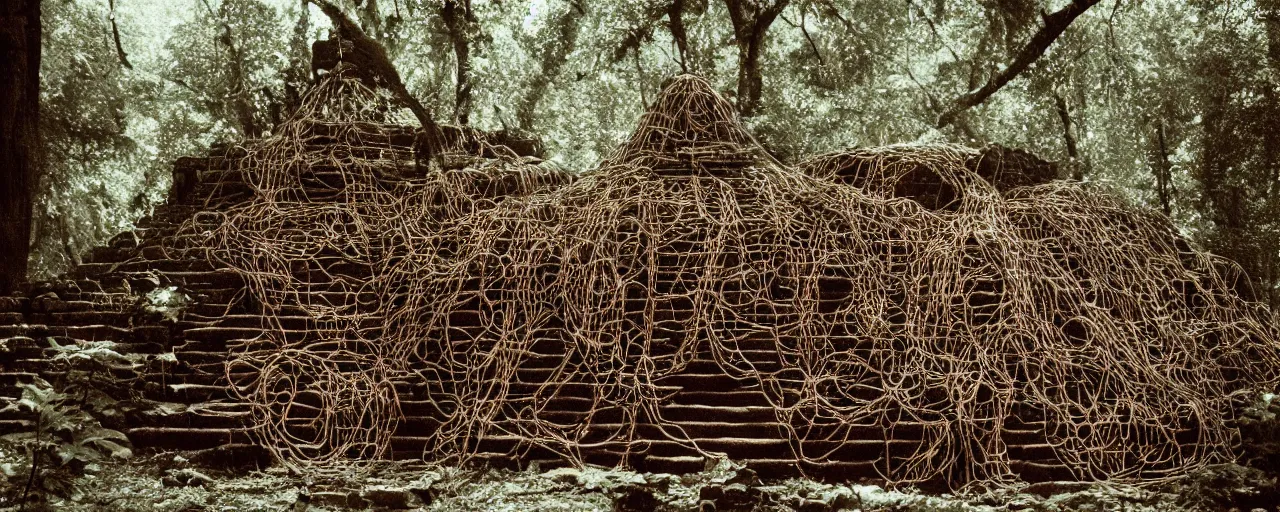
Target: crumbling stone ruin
[{"x": 909, "y": 314}]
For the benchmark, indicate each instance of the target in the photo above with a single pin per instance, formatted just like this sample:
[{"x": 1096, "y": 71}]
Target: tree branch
[
  {"x": 1064, "y": 114},
  {"x": 933, "y": 28},
  {"x": 751, "y": 21},
  {"x": 934, "y": 104},
  {"x": 1054, "y": 25},
  {"x": 115, "y": 35},
  {"x": 1163, "y": 171},
  {"x": 805, "y": 31},
  {"x": 1073, "y": 153},
  {"x": 371, "y": 57},
  {"x": 551, "y": 60},
  {"x": 460, "y": 21}
]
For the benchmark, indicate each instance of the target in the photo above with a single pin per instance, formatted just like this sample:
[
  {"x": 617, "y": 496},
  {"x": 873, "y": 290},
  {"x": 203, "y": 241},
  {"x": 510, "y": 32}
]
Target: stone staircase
[{"x": 182, "y": 356}]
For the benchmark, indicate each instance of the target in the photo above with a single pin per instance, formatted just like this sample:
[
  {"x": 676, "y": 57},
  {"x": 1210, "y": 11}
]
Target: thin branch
[
  {"x": 1064, "y": 114},
  {"x": 1054, "y": 25},
  {"x": 239, "y": 92},
  {"x": 460, "y": 22},
  {"x": 804, "y": 30},
  {"x": 831, "y": 10},
  {"x": 936, "y": 105},
  {"x": 115, "y": 35},
  {"x": 933, "y": 28},
  {"x": 1068, "y": 135},
  {"x": 644, "y": 99},
  {"x": 1164, "y": 171}
]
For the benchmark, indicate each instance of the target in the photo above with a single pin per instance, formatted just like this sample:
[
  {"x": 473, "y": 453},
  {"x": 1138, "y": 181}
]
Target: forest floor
[{"x": 171, "y": 482}]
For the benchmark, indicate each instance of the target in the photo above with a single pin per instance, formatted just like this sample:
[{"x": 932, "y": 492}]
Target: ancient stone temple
[{"x": 911, "y": 314}]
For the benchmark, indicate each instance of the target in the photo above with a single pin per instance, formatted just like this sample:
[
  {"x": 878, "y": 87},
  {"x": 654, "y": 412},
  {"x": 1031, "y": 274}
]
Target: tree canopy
[{"x": 1171, "y": 102}]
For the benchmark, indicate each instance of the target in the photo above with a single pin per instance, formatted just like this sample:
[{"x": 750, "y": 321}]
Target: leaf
[{"x": 68, "y": 452}]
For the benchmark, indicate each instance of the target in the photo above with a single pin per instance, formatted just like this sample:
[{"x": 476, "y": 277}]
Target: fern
[{"x": 65, "y": 443}]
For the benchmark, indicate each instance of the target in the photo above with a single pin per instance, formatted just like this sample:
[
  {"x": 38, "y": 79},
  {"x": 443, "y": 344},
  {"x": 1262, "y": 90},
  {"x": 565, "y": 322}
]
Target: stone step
[
  {"x": 12, "y": 304},
  {"x": 177, "y": 438}
]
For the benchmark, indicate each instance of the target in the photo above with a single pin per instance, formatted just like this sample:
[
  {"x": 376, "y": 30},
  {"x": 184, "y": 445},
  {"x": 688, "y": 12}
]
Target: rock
[
  {"x": 734, "y": 497},
  {"x": 424, "y": 494},
  {"x": 335, "y": 499},
  {"x": 745, "y": 476},
  {"x": 13, "y": 304},
  {"x": 846, "y": 500},
  {"x": 1047, "y": 489},
  {"x": 807, "y": 505},
  {"x": 237, "y": 458},
  {"x": 1226, "y": 486},
  {"x": 564, "y": 475},
  {"x": 635, "y": 499},
  {"x": 186, "y": 478},
  {"x": 390, "y": 498}
]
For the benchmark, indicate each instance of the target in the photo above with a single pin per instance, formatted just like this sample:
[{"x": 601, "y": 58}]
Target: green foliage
[
  {"x": 93, "y": 184},
  {"x": 230, "y": 52},
  {"x": 67, "y": 439},
  {"x": 65, "y": 443}
]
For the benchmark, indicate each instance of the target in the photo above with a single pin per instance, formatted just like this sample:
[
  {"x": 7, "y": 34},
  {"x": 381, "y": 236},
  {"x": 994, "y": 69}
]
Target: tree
[
  {"x": 1054, "y": 25},
  {"x": 241, "y": 102},
  {"x": 460, "y": 21},
  {"x": 227, "y": 61},
  {"x": 551, "y": 56},
  {"x": 751, "y": 20},
  {"x": 20, "y": 38},
  {"x": 94, "y": 176},
  {"x": 1238, "y": 167},
  {"x": 371, "y": 57}
]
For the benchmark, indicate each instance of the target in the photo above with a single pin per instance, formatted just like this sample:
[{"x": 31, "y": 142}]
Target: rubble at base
[{"x": 173, "y": 482}]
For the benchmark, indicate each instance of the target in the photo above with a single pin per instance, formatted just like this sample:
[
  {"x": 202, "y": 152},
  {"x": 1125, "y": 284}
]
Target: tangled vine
[{"x": 889, "y": 304}]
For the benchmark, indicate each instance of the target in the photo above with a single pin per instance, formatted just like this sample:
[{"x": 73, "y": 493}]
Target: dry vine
[{"x": 517, "y": 305}]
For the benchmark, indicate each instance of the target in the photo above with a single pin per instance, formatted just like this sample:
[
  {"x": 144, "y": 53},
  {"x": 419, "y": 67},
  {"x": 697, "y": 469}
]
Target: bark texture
[
  {"x": 19, "y": 134},
  {"x": 460, "y": 21},
  {"x": 751, "y": 20}
]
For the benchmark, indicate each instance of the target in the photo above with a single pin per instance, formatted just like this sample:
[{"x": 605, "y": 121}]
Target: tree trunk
[
  {"x": 552, "y": 59},
  {"x": 750, "y": 82},
  {"x": 1163, "y": 171},
  {"x": 460, "y": 20},
  {"x": 1269, "y": 11},
  {"x": 297, "y": 76},
  {"x": 19, "y": 134},
  {"x": 751, "y": 23},
  {"x": 371, "y": 18},
  {"x": 369, "y": 56},
  {"x": 675, "y": 21},
  {"x": 1270, "y": 14},
  {"x": 1068, "y": 134}
]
